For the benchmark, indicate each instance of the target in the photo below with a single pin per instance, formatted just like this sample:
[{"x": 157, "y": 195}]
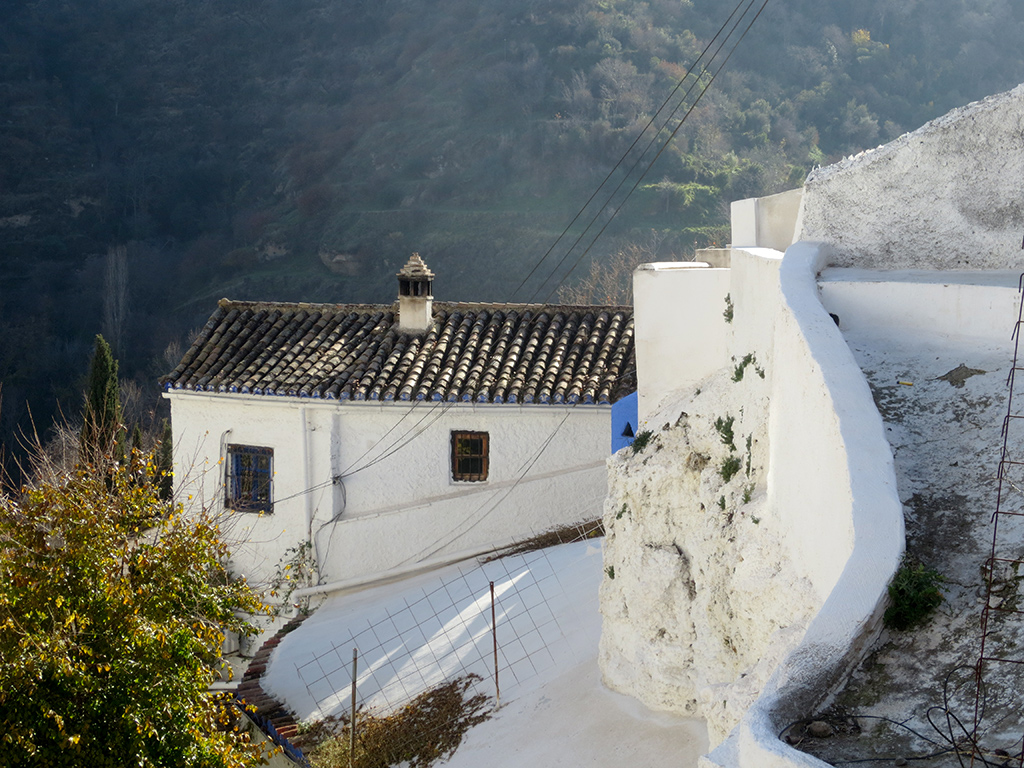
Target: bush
[
  {"x": 113, "y": 608},
  {"x": 914, "y": 593}
]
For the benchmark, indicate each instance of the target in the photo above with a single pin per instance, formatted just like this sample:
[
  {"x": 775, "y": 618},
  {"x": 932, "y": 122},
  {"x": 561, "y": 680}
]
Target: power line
[
  {"x": 661, "y": 149},
  {"x": 625, "y": 154},
  {"x": 411, "y": 434},
  {"x": 704, "y": 70},
  {"x": 438, "y": 545},
  {"x": 525, "y": 468}
]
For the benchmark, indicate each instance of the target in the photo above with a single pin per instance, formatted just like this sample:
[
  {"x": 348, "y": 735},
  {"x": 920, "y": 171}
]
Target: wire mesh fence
[{"x": 447, "y": 631}]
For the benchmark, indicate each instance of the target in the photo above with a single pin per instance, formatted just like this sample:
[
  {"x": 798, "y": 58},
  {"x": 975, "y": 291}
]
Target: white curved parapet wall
[
  {"x": 831, "y": 473},
  {"x": 745, "y": 601}
]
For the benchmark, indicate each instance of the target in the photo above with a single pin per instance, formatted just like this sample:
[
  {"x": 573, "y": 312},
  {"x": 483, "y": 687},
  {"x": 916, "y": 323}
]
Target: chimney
[{"x": 415, "y": 298}]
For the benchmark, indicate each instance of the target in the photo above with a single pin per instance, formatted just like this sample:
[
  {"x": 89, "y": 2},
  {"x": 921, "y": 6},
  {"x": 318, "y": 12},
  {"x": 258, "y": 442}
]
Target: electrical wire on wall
[{"x": 453, "y": 532}]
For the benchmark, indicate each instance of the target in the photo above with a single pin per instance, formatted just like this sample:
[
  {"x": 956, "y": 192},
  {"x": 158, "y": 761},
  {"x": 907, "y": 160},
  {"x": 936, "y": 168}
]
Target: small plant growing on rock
[
  {"x": 641, "y": 440},
  {"x": 748, "y": 491},
  {"x": 741, "y": 367},
  {"x": 610, "y": 572},
  {"x": 724, "y": 429},
  {"x": 914, "y": 593},
  {"x": 749, "y": 453},
  {"x": 728, "y": 313},
  {"x": 730, "y": 467}
]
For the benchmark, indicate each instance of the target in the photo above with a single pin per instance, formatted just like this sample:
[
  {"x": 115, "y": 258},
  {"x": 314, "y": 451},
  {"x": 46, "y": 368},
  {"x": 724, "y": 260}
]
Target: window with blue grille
[{"x": 250, "y": 479}]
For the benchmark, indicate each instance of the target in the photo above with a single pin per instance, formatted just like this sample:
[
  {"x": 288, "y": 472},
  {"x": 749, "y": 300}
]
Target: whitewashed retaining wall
[
  {"x": 832, "y": 475},
  {"x": 945, "y": 197},
  {"x": 403, "y": 508}
]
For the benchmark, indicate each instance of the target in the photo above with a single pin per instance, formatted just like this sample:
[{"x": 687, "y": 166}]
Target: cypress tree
[
  {"x": 165, "y": 462},
  {"x": 101, "y": 416}
]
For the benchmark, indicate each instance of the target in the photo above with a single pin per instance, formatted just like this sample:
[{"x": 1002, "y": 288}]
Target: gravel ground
[{"x": 943, "y": 402}]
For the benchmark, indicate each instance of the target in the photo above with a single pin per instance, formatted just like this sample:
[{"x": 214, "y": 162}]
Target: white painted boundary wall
[
  {"x": 766, "y": 222},
  {"x": 832, "y": 484},
  {"x": 947, "y": 305}
]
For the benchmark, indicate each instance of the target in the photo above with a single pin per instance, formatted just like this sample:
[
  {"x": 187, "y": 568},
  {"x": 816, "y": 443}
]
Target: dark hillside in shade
[{"x": 300, "y": 150}]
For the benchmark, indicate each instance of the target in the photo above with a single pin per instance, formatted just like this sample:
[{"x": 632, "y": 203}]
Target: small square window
[
  {"x": 250, "y": 478},
  {"x": 469, "y": 456}
]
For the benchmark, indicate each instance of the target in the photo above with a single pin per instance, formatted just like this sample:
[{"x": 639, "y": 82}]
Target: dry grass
[
  {"x": 566, "y": 534},
  {"x": 427, "y": 729}
]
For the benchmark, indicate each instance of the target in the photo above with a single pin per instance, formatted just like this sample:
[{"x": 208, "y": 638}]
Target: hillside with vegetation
[{"x": 156, "y": 155}]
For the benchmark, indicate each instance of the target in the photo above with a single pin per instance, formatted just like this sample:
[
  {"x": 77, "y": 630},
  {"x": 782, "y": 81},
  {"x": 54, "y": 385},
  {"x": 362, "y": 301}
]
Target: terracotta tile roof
[{"x": 485, "y": 353}]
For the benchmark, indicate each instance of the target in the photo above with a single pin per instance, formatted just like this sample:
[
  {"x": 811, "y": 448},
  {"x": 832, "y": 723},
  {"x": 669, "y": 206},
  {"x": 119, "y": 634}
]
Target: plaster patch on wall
[{"x": 704, "y": 602}]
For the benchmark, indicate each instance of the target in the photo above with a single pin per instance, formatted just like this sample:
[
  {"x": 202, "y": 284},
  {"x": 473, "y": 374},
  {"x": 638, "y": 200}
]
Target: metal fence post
[{"x": 352, "y": 724}]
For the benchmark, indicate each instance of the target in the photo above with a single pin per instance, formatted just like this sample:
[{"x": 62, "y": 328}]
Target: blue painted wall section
[{"x": 624, "y": 422}]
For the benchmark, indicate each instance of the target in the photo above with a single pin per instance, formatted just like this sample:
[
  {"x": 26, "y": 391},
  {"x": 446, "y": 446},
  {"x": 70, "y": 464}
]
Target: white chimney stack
[{"x": 415, "y": 298}]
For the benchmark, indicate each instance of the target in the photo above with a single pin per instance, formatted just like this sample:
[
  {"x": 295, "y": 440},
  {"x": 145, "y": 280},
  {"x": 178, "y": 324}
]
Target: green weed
[
  {"x": 724, "y": 428},
  {"x": 641, "y": 440},
  {"x": 730, "y": 467},
  {"x": 914, "y": 593}
]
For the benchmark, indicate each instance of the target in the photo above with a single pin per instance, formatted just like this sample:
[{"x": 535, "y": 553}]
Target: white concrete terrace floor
[{"x": 946, "y": 443}]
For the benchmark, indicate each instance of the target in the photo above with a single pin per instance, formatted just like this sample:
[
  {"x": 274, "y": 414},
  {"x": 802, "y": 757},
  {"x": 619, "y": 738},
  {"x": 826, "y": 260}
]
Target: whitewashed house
[{"x": 381, "y": 436}]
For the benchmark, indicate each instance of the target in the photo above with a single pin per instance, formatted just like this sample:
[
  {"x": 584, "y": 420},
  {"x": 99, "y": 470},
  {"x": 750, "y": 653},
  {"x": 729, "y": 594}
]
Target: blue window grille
[{"x": 250, "y": 478}]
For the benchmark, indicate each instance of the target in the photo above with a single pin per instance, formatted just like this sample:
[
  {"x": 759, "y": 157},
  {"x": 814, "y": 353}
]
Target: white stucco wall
[
  {"x": 942, "y": 304},
  {"x": 766, "y": 222},
  {"x": 395, "y": 503},
  {"x": 689, "y": 299},
  {"x": 947, "y": 195}
]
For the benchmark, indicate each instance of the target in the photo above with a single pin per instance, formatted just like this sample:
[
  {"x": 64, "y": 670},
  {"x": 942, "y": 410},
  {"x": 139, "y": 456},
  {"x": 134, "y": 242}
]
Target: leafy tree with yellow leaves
[{"x": 113, "y": 609}]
